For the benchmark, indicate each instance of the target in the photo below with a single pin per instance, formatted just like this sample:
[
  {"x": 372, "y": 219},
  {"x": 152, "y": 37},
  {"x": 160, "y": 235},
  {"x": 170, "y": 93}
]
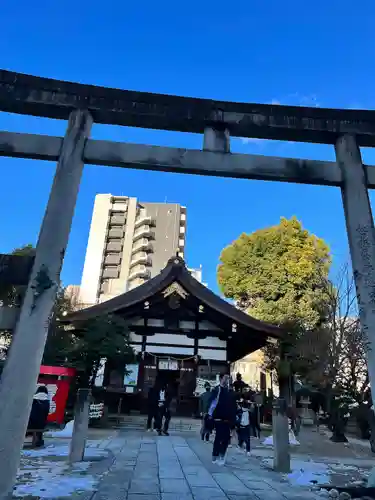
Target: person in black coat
[
  {"x": 39, "y": 414},
  {"x": 239, "y": 385},
  {"x": 163, "y": 414},
  {"x": 152, "y": 405},
  {"x": 222, "y": 410}
]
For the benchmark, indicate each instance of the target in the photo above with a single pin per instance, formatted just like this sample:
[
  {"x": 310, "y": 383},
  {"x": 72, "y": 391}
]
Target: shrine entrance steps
[{"x": 138, "y": 422}]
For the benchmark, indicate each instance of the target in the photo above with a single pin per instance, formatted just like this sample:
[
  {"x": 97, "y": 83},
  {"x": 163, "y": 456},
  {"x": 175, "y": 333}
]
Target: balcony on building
[
  {"x": 183, "y": 218},
  {"x": 143, "y": 244},
  {"x": 182, "y": 230},
  {"x": 112, "y": 259},
  {"x": 114, "y": 246},
  {"x": 139, "y": 272},
  {"x": 143, "y": 232},
  {"x": 141, "y": 258},
  {"x": 143, "y": 220},
  {"x": 111, "y": 272}
]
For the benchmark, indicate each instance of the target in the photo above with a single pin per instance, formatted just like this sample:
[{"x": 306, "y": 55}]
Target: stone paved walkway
[{"x": 148, "y": 467}]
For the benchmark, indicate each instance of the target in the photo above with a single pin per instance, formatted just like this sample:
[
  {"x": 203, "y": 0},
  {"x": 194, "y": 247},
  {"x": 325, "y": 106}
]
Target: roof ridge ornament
[
  {"x": 177, "y": 289},
  {"x": 176, "y": 260}
]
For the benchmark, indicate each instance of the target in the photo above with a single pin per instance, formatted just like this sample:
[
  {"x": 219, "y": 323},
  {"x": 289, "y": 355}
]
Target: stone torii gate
[{"x": 82, "y": 105}]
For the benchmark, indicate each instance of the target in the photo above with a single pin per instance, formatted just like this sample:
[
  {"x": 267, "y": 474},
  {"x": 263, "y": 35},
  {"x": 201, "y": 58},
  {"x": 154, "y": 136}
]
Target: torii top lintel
[{"x": 32, "y": 95}]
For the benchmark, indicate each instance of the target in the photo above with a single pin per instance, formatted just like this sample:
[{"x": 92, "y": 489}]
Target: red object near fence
[{"x": 57, "y": 379}]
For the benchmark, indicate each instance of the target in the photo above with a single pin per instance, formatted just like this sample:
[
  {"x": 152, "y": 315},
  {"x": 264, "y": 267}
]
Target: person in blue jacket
[{"x": 222, "y": 411}]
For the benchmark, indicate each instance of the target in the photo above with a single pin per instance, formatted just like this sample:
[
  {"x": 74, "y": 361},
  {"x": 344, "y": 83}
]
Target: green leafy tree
[
  {"x": 13, "y": 295},
  {"x": 26, "y": 250},
  {"x": 84, "y": 348},
  {"x": 279, "y": 275},
  {"x": 103, "y": 337},
  {"x": 60, "y": 339}
]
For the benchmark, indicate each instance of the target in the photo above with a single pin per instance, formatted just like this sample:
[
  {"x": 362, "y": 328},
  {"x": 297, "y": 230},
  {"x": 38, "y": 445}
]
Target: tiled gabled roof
[{"x": 175, "y": 271}]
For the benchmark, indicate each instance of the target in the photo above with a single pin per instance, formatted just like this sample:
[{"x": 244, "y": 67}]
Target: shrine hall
[{"x": 182, "y": 334}]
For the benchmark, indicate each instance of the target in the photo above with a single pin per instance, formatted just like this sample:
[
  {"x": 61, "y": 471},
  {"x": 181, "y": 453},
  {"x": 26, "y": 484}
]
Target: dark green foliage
[
  {"x": 103, "y": 337},
  {"x": 13, "y": 295},
  {"x": 279, "y": 275},
  {"x": 276, "y": 274},
  {"x": 27, "y": 250},
  {"x": 83, "y": 348}
]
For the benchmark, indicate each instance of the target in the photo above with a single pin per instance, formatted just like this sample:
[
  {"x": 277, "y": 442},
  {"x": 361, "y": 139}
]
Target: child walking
[{"x": 243, "y": 425}]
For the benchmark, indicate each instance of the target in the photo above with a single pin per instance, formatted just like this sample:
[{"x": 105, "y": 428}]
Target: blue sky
[{"x": 317, "y": 53}]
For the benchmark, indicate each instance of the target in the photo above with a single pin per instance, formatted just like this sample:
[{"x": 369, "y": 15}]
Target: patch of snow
[
  {"x": 305, "y": 472},
  {"x": 268, "y": 441},
  {"x": 62, "y": 451},
  {"x": 48, "y": 451},
  {"x": 341, "y": 467},
  {"x": 51, "y": 480},
  {"x": 292, "y": 440},
  {"x": 67, "y": 432}
]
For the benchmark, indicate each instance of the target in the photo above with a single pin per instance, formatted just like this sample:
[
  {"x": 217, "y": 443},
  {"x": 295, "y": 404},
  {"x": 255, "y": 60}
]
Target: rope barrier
[{"x": 169, "y": 358}]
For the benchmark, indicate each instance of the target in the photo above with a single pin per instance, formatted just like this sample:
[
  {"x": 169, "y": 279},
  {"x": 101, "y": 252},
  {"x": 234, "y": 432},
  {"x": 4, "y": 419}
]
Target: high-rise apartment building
[{"x": 129, "y": 243}]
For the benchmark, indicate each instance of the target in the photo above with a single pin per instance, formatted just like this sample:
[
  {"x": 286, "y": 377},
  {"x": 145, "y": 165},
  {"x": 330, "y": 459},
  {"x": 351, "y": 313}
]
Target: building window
[
  {"x": 114, "y": 245},
  {"x": 111, "y": 272},
  {"x": 119, "y": 204}
]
